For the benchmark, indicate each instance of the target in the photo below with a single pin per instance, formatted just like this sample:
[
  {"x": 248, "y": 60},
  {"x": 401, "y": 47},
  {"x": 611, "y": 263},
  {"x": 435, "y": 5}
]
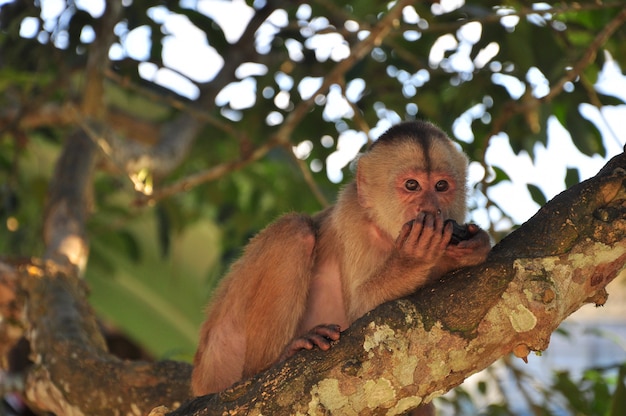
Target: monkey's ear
[{"x": 362, "y": 186}]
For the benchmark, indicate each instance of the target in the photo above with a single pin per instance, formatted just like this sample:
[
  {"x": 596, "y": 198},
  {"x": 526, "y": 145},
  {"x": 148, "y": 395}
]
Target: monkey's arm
[
  {"x": 414, "y": 262},
  {"x": 258, "y": 305}
]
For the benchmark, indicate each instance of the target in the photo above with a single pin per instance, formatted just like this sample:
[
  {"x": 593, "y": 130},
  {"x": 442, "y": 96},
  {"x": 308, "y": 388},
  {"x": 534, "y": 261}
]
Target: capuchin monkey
[{"x": 303, "y": 280}]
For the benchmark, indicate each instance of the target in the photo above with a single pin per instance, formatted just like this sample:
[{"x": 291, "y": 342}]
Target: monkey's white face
[
  {"x": 396, "y": 186},
  {"x": 422, "y": 191},
  {"x": 414, "y": 191}
]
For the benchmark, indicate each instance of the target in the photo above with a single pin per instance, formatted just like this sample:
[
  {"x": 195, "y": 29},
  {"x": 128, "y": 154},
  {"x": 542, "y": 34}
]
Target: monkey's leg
[
  {"x": 282, "y": 259},
  {"x": 257, "y": 306}
]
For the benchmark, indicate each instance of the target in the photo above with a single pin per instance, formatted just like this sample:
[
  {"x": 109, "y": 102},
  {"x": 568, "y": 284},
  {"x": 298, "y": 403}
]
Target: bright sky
[{"x": 186, "y": 53}]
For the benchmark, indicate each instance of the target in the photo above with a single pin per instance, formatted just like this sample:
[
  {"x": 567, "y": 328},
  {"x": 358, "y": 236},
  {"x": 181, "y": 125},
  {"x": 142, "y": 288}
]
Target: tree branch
[
  {"x": 308, "y": 177},
  {"x": 69, "y": 201},
  {"x": 394, "y": 357},
  {"x": 588, "y": 57},
  {"x": 71, "y": 186},
  {"x": 282, "y": 136},
  {"x": 72, "y": 368},
  {"x": 488, "y": 18},
  {"x": 530, "y": 103},
  {"x": 176, "y": 138}
]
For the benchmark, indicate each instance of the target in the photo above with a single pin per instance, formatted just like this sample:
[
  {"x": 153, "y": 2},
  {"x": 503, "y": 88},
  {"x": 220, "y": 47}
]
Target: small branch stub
[{"x": 522, "y": 351}]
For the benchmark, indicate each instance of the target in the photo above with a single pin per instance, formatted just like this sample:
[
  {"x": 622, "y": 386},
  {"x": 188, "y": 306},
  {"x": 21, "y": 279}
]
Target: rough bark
[
  {"x": 69, "y": 202},
  {"x": 72, "y": 373}
]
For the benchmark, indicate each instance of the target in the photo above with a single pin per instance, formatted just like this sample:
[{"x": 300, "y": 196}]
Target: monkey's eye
[
  {"x": 442, "y": 186},
  {"x": 412, "y": 185}
]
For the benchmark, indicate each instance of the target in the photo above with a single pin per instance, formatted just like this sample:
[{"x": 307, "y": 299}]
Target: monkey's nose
[{"x": 430, "y": 211}]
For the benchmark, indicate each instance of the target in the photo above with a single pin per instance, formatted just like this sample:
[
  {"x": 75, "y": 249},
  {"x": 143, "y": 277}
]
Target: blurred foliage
[
  {"x": 550, "y": 383},
  {"x": 595, "y": 392},
  {"x": 478, "y": 69}
]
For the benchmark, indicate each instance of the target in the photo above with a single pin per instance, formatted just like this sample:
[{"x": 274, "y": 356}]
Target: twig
[
  {"x": 512, "y": 107},
  {"x": 169, "y": 99},
  {"x": 283, "y": 135},
  {"x": 308, "y": 178},
  {"x": 449, "y": 27},
  {"x": 588, "y": 57},
  {"x": 595, "y": 101},
  {"x": 375, "y": 38}
]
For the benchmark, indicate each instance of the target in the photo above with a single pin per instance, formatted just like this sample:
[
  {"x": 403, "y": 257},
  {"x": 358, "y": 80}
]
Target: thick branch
[
  {"x": 176, "y": 138},
  {"x": 72, "y": 373},
  {"x": 98, "y": 57},
  {"x": 136, "y": 154},
  {"x": 69, "y": 199},
  {"x": 70, "y": 188},
  {"x": 414, "y": 349},
  {"x": 55, "y": 115}
]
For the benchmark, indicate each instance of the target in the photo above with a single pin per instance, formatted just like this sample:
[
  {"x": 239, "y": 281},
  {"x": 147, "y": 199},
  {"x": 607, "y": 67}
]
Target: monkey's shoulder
[{"x": 288, "y": 227}]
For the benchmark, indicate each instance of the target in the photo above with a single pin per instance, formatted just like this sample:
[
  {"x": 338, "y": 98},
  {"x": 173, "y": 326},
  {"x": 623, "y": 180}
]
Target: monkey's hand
[
  {"x": 422, "y": 241},
  {"x": 320, "y": 336},
  {"x": 471, "y": 251}
]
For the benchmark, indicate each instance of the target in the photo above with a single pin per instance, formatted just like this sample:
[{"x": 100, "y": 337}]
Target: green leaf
[
  {"x": 214, "y": 32},
  {"x": 585, "y": 136},
  {"x": 500, "y": 175},
  {"x": 618, "y": 402},
  {"x": 163, "y": 229},
  {"x": 536, "y": 194},
  {"x": 78, "y": 21},
  {"x": 571, "y": 391},
  {"x": 572, "y": 177},
  {"x": 516, "y": 48},
  {"x": 608, "y": 99}
]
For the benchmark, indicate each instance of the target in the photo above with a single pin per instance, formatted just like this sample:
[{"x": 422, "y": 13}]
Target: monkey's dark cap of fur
[{"x": 421, "y": 131}]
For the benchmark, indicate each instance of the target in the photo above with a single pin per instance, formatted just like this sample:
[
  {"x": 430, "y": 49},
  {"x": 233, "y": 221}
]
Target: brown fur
[{"x": 302, "y": 272}]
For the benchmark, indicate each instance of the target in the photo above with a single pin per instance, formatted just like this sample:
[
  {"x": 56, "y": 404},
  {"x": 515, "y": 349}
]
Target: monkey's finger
[
  {"x": 479, "y": 238},
  {"x": 410, "y": 233},
  {"x": 460, "y": 250},
  {"x": 295, "y": 346},
  {"x": 447, "y": 233},
  {"x": 434, "y": 237},
  {"x": 478, "y": 243},
  {"x": 405, "y": 231},
  {"x": 428, "y": 232},
  {"x": 473, "y": 229},
  {"x": 319, "y": 341},
  {"x": 332, "y": 331},
  {"x": 440, "y": 224},
  {"x": 303, "y": 343},
  {"x": 468, "y": 244}
]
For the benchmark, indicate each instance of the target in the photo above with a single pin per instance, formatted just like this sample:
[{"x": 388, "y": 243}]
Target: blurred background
[{"x": 215, "y": 117}]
